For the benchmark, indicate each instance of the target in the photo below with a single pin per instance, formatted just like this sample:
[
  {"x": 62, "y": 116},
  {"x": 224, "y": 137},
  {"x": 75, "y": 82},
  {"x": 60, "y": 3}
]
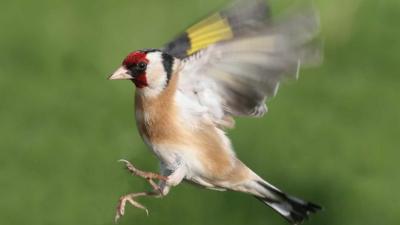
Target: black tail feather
[{"x": 293, "y": 209}]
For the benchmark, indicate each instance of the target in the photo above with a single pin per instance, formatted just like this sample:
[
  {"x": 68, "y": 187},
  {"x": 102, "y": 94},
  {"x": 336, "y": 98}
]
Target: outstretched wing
[
  {"x": 234, "y": 73},
  {"x": 224, "y": 25}
]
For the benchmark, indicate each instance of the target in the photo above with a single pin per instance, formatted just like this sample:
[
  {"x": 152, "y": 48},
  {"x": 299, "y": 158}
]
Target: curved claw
[
  {"x": 124, "y": 161},
  {"x": 129, "y": 166},
  {"x": 130, "y": 198},
  {"x": 117, "y": 218}
]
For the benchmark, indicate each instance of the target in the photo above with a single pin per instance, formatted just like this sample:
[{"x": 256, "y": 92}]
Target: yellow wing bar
[
  {"x": 221, "y": 26},
  {"x": 207, "y": 32}
]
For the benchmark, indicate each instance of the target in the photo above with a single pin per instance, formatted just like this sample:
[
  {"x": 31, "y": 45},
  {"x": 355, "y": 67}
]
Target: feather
[
  {"x": 237, "y": 75},
  {"x": 221, "y": 26}
]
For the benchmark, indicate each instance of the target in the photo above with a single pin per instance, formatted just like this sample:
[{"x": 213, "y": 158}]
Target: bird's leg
[
  {"x": 156, "y": 192},
  {"x": 149, "y": 176},
  {"x": 172, "y": 178}
]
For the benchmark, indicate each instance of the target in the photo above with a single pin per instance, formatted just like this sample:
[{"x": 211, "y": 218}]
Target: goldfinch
[{"x": 189, "y": 91}]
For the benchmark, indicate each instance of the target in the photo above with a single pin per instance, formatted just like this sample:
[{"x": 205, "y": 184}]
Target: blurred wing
[
  {"x": 234, "y": 76},
  {"x": 220, "y": 26}
]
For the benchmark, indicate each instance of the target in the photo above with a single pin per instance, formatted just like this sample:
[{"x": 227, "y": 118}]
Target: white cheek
[{"x": 155, "y": 76}]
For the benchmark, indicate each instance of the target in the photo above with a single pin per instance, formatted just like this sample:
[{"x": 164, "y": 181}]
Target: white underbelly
[{"x": 173, "y": 156}]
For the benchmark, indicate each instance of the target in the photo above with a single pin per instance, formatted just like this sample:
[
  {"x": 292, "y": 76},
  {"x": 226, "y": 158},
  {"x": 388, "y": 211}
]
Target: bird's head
[{"x": 150, "y": 69}]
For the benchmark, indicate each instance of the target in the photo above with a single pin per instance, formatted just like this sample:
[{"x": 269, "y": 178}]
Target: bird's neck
[
  {"x": 157, "y": 111},
  {"x": 156, "y": 117},
  {"x": 145, "y": 99}
]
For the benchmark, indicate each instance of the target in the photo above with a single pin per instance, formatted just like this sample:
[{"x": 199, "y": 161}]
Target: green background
[{"x": 331, "y": 137}]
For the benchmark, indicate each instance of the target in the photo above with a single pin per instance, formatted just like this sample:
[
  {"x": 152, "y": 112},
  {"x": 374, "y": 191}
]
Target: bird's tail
[{"x": 293, "y": 209}]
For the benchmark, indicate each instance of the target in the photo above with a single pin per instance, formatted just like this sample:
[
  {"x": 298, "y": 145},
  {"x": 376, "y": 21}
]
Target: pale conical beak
[{"x": 120, "y": 74}]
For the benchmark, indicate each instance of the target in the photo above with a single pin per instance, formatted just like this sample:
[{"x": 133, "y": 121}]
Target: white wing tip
[
  {"x": 298, "y": 69},
  {"x": 277, "y": 88}
]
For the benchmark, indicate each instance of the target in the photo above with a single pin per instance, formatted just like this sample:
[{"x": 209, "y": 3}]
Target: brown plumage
[
  {"x": 158, "y": 122},
  {"x": 225, "y": 66}
]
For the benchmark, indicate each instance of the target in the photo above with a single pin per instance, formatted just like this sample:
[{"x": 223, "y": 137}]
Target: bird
[{"x": 189, "y": 92}]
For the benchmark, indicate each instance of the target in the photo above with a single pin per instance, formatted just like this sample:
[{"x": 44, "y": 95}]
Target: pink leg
[
  {"x": 131, "y": 199},
  {"x": 149, "y": 176}
]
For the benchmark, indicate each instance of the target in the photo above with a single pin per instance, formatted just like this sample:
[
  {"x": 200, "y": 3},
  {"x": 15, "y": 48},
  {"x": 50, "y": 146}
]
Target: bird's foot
[
  {"x": 149, "y": 176},
  {"x": 131, "y": 199}
]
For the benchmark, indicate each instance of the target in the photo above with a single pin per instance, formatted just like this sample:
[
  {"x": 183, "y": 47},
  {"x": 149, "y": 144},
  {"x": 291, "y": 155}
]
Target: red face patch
[
  {"x": 140, "y": 81},
  {"x": 135, "y": 58},
  {"x": 131, "y": 62}
]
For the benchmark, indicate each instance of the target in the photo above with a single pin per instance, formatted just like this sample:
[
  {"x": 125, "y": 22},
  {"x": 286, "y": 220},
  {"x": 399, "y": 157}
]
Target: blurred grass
[{"x": 331, "y": 137}]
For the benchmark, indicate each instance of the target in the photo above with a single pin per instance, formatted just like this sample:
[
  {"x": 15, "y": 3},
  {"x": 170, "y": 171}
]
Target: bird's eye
[{"x": 141, "y": 66}]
